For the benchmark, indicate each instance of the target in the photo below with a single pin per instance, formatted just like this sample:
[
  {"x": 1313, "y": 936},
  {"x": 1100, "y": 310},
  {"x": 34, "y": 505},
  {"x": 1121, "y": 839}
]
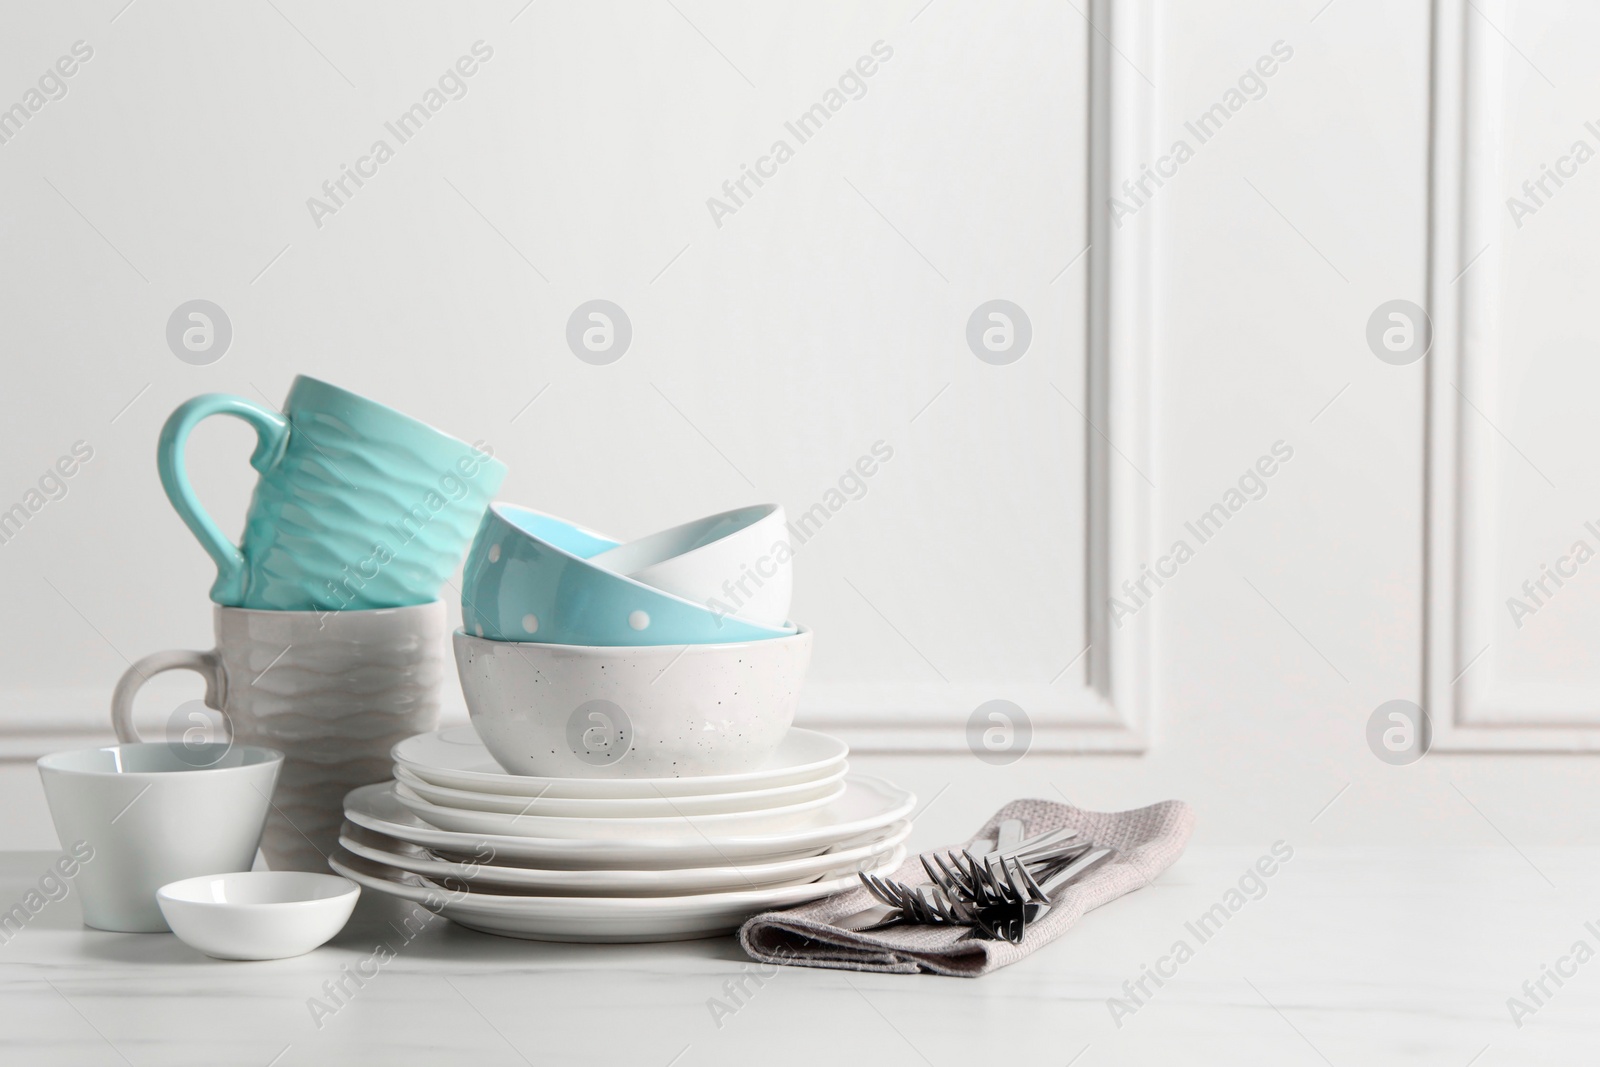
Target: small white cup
[{"x": 152, "y": 817}]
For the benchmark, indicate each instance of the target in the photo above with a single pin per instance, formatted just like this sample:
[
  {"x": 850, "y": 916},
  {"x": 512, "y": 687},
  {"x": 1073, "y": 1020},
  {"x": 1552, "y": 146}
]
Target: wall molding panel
[
  {"x": 1469, "y": 711},
  {"x": 1111, "y": 712}
]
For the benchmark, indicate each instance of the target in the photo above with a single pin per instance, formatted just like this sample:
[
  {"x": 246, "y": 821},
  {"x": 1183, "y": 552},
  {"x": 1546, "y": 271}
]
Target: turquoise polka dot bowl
[{"x": 528, "y": 579}]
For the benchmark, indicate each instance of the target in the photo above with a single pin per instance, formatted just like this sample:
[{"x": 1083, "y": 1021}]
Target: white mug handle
[{"x": 207, "y": 665}]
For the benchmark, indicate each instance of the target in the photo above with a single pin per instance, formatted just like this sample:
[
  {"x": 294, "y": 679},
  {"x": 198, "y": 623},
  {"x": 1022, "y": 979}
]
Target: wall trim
[
  {"x": 34, "y": 724},
  {"x": 1111, "y": 712},
  {"x": 1468, "y": 712},
  {"x": 38, "y": 723}
]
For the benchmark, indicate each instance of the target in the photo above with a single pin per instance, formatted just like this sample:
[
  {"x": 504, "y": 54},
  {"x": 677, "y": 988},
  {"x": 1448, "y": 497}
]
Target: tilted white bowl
[
  {"x": 735, "y": 562},
  {"x": 257, "y": 915},
  {"x": 648, "y": 711}
]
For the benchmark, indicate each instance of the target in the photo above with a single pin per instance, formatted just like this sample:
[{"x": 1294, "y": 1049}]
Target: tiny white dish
[
  {"x": 257, "y": 915},
  {"x": 456, "y": 758},
  {"x": 620, "y": 808},
  {"x": 735, "y": 562}
]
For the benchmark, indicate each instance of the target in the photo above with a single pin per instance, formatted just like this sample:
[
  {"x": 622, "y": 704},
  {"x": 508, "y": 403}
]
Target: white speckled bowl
[{"x": 648, "y": 711}]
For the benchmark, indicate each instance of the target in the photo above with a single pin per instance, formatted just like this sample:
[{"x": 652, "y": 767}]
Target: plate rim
[
  {"x": 886, "y": 839},
  {"x": 674, "y": 905},
  {"x": 902, "y": 802},
  {"x": 832, "y": 777},
  {"x": 534, "y": 781},
  {"x": 641, "y": 824}
]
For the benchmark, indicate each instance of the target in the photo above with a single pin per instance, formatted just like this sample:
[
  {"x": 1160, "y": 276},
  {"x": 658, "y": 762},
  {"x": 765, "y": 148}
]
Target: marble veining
[{"x": 1358, "y": 957}]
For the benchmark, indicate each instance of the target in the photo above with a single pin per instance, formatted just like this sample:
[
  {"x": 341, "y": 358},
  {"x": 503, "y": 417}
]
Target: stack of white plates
[{"x": 617, "y": 859}]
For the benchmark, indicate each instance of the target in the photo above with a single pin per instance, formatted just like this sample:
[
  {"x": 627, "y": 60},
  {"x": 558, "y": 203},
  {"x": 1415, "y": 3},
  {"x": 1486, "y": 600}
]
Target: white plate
[
  {"x": 626, "y": 808},
  {"x": 456, "y": 759},
  {"x": 380, "y": 848},
  {"x": 867, "y": 804},
  {"x": 604, "y": 919},
  {"x": 660, "y": 827}
]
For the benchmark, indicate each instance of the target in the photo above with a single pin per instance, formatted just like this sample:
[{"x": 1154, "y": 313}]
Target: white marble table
[{"x": 1347, "y": 957}]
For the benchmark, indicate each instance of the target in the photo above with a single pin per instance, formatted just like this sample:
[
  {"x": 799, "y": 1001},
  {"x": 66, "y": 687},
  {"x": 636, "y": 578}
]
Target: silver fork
[
  {"x": 935, "y": 904},
  {"x": 1013, "y": 906},
  {"x": 1043, "y": 849},
  {"x": 981, "y": 879},
  {"x": 926, "y": 905},
  {"x": 965, "y": 876}
]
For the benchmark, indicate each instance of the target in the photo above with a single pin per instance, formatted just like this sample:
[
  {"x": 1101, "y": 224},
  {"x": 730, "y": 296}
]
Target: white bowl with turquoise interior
[
  {"x": 737, "y": 562},
  {"x": 529, "y": 579}
]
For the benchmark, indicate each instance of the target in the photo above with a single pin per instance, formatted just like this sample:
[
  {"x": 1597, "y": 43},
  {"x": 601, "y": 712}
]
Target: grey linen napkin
[{"x": 1147, "y": 840}]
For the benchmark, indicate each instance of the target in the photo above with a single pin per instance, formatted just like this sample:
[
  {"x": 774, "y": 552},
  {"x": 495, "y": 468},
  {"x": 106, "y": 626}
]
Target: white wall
[{"x": 1273, "y": 245}]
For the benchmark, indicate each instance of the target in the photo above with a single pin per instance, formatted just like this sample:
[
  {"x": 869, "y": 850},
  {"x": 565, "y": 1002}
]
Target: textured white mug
[{"x": 334, "y": 691}]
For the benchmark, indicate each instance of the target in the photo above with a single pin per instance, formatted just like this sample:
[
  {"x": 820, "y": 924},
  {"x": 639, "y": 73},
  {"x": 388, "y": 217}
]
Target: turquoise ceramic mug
[{"x": 357, "y": 506}]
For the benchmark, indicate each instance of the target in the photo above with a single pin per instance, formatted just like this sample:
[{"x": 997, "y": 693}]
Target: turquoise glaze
[
  {"x": 357, "y": 506},
  {"x": 528, "y": 579}
]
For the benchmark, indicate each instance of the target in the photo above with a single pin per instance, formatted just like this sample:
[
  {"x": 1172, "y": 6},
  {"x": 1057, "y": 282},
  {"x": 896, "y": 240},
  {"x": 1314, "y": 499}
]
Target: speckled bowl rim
[{"x": 618, "y": 651}]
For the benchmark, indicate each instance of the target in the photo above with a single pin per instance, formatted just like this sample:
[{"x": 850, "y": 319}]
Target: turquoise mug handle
[{"x": 272, "y": 434}]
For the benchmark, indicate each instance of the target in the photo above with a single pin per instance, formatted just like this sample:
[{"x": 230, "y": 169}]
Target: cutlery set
[{"x": 996, "y": 894}]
